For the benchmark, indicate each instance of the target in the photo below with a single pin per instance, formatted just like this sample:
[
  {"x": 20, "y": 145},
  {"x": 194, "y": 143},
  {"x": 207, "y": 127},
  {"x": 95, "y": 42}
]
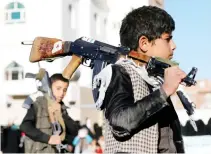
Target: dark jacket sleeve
[
  {"x": 126, "y": 117},
  {"x": 28, "y": 127},
  {"x": 72, "y": 128}
]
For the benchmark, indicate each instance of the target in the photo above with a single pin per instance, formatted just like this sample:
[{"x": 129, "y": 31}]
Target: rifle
[
  {"x": 84, "y": 49},
  {"x": 156, "y": 66},
  {"x": 45, "y": 90}
]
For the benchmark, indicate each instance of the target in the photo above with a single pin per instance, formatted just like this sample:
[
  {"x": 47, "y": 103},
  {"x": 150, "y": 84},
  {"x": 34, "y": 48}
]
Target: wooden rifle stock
[
  {"x": 44, "y": 48},
  {"x": 139, "y": 56}
]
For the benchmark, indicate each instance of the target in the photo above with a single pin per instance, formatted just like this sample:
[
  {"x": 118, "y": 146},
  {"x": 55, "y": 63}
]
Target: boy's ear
[{"x": 143, "y": 44}]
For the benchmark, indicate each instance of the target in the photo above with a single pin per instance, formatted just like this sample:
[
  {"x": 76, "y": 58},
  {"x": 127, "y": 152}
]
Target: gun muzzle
[{"x": 26, "y": 42}]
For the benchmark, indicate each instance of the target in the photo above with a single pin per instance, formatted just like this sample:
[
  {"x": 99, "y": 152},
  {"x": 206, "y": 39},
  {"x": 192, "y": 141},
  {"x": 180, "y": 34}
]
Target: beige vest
[{"x": 44, "y": 125}]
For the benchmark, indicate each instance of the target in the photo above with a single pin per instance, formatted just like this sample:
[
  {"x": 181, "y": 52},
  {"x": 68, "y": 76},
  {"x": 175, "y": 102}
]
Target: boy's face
[
  {"x": 162, "y": 47},
  {"x": 59, "y": 89}
]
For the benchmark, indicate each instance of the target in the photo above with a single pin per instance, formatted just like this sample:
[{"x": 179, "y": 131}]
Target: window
[
  {"x": 72, "y": 17},
  {"x": 105, "y": 22},
  {"x": 114, "y": 25},
  {"x": 97, "y": 23},
  {"x": 14, "y": 71},
  {"x": 14, "y": 13},
  {"x": 15, "y": 75},
  {"x": 105, "y": 25}
]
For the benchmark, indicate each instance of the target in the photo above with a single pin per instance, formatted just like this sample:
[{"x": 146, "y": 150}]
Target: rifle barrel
[{"x": 27, "y": 42}]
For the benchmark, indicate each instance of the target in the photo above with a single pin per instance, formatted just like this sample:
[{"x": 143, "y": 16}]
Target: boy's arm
[
  {"x": 72, "y": 128},
  {"x": 28, "y": 127},
  {"x": 126, "y": 117}
]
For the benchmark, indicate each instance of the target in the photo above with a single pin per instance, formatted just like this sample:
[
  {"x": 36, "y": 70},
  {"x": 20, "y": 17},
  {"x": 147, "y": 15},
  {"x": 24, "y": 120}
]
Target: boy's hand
[
  {"x": 54, "y": 140},
  {"x": 69, "y": 148},
  {"x": 172, "y": 78}
]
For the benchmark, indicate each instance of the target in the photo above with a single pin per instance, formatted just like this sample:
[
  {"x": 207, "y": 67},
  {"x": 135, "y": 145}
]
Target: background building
[{"x": 24, "y": 20}]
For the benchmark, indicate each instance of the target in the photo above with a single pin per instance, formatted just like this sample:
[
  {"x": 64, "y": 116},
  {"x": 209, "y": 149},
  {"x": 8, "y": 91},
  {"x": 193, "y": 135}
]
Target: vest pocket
[
  {"x": 43, "y": 122},
  {"x": 39, "y": 147},
  {"x": 35, "y": 147}
]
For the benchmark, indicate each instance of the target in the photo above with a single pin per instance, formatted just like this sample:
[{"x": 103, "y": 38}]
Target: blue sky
[{"x": 192, "y": 34}]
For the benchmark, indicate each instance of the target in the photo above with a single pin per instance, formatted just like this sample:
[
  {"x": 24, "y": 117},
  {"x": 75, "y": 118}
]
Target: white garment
[{"x": 141, "y": 70}]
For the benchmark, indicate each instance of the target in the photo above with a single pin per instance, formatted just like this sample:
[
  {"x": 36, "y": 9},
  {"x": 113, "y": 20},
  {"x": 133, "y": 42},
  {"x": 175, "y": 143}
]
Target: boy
[
  {"x": 37, "y": 125},
  {"x": 139, "y": 116}
]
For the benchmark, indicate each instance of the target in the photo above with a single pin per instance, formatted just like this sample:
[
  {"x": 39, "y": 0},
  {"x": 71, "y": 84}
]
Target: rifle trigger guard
[{"x": 88, "y": 62}]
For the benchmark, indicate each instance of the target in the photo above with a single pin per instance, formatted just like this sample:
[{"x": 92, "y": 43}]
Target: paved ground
[{"x": 198, "y": 145}]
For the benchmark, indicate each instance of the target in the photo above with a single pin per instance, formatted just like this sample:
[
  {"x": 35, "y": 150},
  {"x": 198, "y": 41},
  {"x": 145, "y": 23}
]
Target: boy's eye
[
  {"x": 58, "y": 88},
  {"x": 168, "y": 39}
]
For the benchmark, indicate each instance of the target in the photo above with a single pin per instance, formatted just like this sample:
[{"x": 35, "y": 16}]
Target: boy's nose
[{"x": 173, "y": 45}]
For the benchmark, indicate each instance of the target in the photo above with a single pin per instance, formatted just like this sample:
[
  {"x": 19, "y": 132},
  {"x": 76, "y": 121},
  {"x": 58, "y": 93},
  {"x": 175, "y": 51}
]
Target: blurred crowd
[{"x": 89, "y": 139}]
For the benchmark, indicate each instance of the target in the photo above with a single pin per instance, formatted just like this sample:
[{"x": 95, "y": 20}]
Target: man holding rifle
[{"x": 37, "y": 124}]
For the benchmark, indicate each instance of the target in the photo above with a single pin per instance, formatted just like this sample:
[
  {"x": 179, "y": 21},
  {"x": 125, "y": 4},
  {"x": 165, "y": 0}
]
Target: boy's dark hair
[
  {"x": 58, "y": 76},
  {"x": 149, "y": 21}
]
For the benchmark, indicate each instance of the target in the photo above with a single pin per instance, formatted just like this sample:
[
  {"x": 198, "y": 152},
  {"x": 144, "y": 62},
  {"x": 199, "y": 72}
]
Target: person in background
[{"x": 37, "y": 126}]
